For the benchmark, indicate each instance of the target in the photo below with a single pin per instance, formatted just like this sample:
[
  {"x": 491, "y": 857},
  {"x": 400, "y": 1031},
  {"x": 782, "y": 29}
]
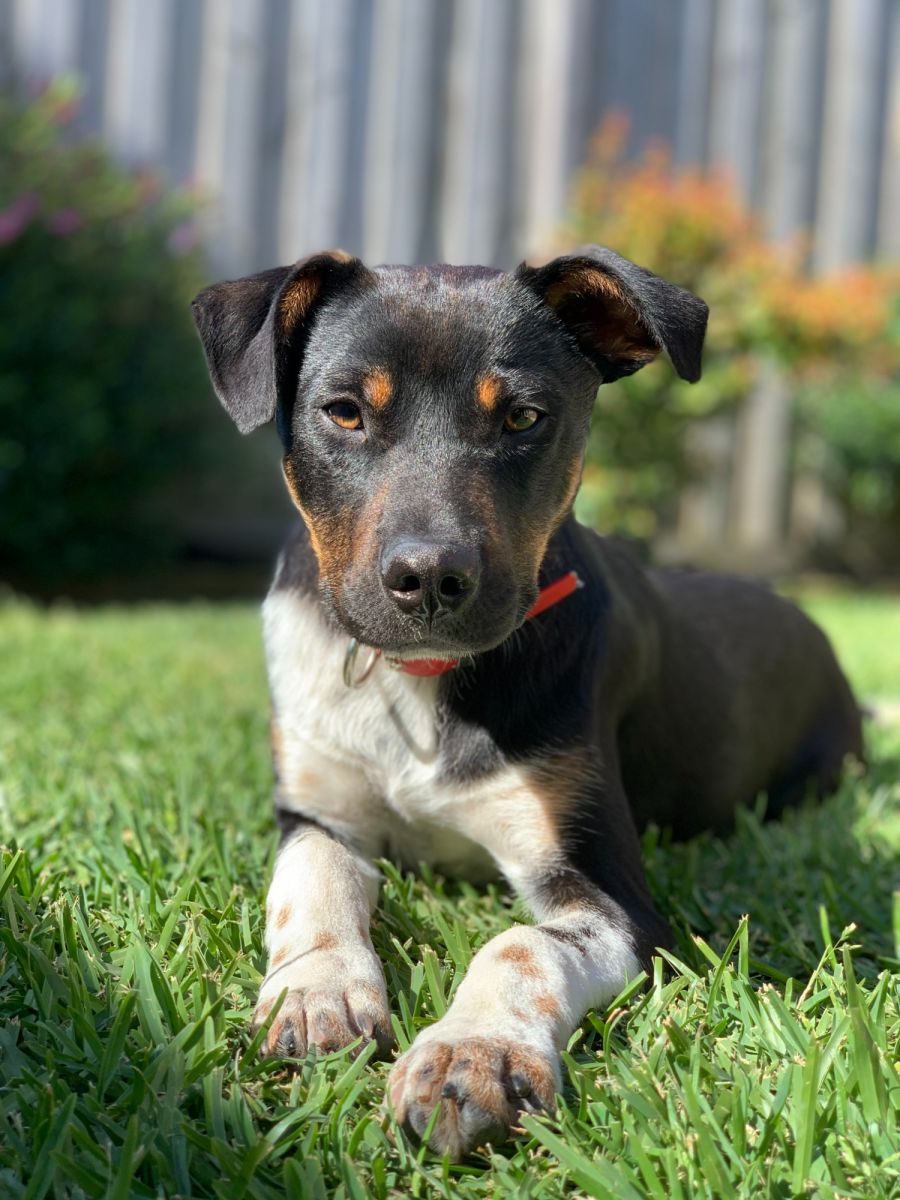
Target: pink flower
[
  {"x": 183, "y": 238},
  {"x": 64, "y": 222},
  {"x": 15, "y": 219}
]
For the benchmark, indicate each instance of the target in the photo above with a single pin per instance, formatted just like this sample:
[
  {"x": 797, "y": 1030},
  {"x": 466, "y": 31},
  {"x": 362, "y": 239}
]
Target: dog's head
[{"x": 434, "y": 420}]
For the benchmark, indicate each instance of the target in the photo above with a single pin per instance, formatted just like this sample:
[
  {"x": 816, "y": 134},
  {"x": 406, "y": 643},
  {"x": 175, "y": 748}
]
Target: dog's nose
[{"x": 434, "y": 578}]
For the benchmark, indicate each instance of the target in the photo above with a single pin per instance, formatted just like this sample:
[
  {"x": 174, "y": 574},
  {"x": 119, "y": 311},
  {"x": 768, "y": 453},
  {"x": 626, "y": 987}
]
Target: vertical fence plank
[
  {"x": 93, "y": 38},
  {"x": 477, "y": 167},
  {"x": 694, "y": 82},
  {"x": 45, "y": 36},
  {"x": 548, "y": 41},
  {"x": 7, "y": 53},
  {"x": 788, "y": 156},
  {"x": 315, "y": 185},
  {"x": 888, "y": 244},
  {"x": 228, "y": 127},
  {"x": 739, "y": 73},
  {"x": 57, "y": 23},
  {"x": 853, "y": 105},
  {"x": 294, "y": 235},
  {"x": 405, "y": 110},
  {"x": 186, "y": 33},
  {"x": 790, "y": 143},
  {"x": 136, "y": 101}
]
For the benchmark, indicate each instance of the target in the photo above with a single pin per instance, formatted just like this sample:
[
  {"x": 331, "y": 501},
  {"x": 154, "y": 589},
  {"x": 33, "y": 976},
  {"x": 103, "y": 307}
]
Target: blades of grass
[
  {"x": 115, "y": 1042},
  {"x": 651, "y": 1179},
  {"x": 805, "y": 1093},
  {"x": 10, "y": 871},
  {"x": 128, "y": 1161},
  {"x": 702, "y": 1125},
  {"x": 432, "y": 965},
  {"x": 867, "y": 1063},
  {"x": 44, "y": 1169},
  {"x": 597, "y": 1178}
]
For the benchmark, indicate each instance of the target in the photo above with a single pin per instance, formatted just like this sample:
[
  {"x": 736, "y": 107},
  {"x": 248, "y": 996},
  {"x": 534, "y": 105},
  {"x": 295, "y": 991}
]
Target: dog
[{"x": 462, "y": 674}]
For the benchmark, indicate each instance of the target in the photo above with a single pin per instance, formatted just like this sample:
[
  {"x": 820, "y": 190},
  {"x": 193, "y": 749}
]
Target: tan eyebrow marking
[
  {"x": 378, "y": 388},
  {"x": 487, "y": 391}
]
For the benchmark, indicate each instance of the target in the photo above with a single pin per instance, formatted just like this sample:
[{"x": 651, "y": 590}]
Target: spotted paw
[
  {"x": 479, "y": 1084},
  {"x": 326, "y": 1019}
]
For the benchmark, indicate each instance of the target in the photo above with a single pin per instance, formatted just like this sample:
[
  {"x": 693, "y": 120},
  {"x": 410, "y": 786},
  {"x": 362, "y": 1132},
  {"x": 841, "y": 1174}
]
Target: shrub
[
  {"x": 835, "y": 337},
  {"x": 100, "y": 375}
]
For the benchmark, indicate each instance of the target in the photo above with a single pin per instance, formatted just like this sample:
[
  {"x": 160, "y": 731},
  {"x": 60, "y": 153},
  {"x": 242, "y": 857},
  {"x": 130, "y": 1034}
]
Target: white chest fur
[{"x": 364, "y": 761}]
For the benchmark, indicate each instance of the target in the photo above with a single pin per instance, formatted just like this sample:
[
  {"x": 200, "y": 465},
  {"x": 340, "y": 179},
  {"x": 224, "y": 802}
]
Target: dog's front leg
[
  {"x": 496, "y": 1051},
  {"x": 317, "y": 936}
]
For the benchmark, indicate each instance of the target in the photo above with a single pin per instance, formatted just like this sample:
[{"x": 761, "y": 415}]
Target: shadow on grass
[{"x": 801, "y": 880}]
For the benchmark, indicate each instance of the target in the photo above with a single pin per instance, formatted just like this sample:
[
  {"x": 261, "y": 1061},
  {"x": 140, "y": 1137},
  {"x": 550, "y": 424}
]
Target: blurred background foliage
[
  {"x": 110, "y": 442},
  {"x": 835, "y": 337},
  {"x": 101, "y": 382}
]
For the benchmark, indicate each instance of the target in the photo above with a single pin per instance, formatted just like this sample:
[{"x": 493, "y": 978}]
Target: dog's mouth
[
  {"x": 433, "y": 649},
  {"x": 488, "y": 621},
  {"x": 401, "y": 646},
  {"x": 416, "y": 653}
]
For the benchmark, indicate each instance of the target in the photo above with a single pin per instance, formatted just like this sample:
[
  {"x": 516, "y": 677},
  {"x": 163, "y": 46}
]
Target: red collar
[{"x": 560, "y": 589}]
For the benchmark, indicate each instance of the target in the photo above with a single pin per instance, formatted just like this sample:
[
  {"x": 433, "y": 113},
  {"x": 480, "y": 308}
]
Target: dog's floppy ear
[
  {"x": 254, "y": 330},
  {"x": 620, "y": 314}
]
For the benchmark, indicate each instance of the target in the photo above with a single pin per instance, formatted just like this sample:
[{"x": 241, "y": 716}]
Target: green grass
[{"x": 134, "y": 810}]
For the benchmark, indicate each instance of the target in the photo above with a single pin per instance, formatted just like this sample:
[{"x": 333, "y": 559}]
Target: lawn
[{"x": 134, "y": 814}]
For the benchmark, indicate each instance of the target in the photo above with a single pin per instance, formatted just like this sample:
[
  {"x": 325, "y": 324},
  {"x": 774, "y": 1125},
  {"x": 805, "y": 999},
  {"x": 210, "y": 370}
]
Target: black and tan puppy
[{"x": 434, "y": 423}]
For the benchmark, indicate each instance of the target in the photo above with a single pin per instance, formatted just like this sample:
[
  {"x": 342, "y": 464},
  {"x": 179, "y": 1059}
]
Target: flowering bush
[
  {"x": 836, "y": 337},
  {"x": 100, "y": 375}
]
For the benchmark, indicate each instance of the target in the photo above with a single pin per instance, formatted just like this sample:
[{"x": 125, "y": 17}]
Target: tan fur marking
[
  {"x": 487, "y": 392},
  {"x": 623, "y": 334},
  {"x": 559, "y": 782},
  {"x": 521, "y": 959},
  {"x": 277, "y": 748},
  {"x": 341, "y": 537},
  {"x": 324, "y": 941},
  {"x": 279, "y": 956},
  {"x": 300, "y": 295},
  {"x": 537, "y": 1068},
  {"x": 298, "y": 298},
  {"x": 331, "y": 538},
  {"x": 378, "y": 388},
  {"x": 284, "y": 916},
  {"x": 547, "y": 1007},
  {"x": 584, "y": 281}
]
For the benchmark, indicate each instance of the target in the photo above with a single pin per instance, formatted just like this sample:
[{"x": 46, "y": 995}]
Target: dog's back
[{"x": 749, "y": 698}]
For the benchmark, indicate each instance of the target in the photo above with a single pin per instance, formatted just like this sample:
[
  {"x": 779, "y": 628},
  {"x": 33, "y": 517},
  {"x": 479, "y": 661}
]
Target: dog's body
[{"x": 430, "y": 518}]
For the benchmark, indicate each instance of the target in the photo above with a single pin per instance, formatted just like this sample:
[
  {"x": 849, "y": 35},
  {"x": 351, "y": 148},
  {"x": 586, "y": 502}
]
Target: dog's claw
[{"x": 519, "y": 1085}]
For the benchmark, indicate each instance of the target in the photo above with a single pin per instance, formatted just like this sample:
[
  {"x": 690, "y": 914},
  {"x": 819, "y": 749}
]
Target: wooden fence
[{"x": 418, "y": 130}]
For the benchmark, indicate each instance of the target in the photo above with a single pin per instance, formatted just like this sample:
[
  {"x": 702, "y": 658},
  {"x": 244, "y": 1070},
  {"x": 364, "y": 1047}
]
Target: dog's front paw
[
  {"x": 328, "y": 1014},
  {"x": 480, "y": 1085}
]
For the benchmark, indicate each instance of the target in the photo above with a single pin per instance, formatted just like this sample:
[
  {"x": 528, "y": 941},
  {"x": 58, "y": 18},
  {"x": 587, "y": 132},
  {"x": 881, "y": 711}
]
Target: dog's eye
[
  {"x": 520, "y": 419},
  {"x": 345, "y": 414}
]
